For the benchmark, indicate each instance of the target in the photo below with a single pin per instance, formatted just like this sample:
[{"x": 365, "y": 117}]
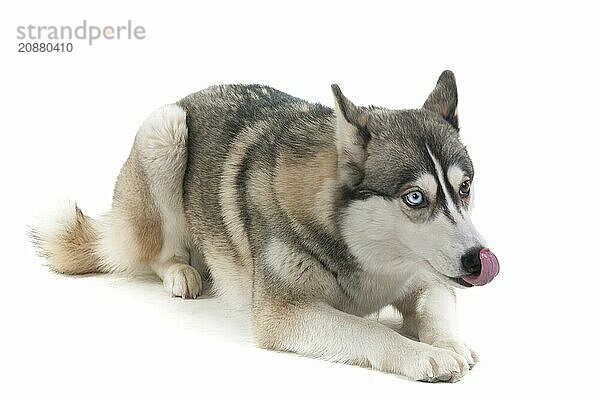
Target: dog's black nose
[{"x": 470, "y": 261}]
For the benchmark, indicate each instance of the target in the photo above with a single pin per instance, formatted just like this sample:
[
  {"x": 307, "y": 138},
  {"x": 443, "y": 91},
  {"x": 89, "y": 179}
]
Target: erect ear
[
  {"x": 444, "y": 98},
  {"x": 352, "y": 137}
]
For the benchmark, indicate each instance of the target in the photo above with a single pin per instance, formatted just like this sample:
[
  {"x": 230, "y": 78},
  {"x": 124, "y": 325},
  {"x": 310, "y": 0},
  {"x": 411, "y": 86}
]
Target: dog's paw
[
  {"x": 436, "y": 365},
  {"x": 426, "y": 363},
  {"x": 459, "y": 348},
  {"x": 183, "y": 281}
]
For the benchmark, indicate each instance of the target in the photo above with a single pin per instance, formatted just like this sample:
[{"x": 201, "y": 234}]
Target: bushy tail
[{"x": 67, "y": 239}]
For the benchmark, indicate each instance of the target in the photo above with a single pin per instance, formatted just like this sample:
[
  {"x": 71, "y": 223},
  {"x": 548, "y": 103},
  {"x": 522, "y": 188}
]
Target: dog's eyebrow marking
[
  {"x": 442, "y": 183},
  {"x": 455, "y": 175},
  {"x": 427, "y": 181}
]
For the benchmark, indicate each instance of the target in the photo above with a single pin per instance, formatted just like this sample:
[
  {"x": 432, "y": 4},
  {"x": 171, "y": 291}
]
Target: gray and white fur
[{"x": 300, "y": 213}]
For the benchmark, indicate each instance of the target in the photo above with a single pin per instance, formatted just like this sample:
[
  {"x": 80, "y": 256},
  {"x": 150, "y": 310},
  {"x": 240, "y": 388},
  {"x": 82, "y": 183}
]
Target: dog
[{"x": 310, "y": 217}]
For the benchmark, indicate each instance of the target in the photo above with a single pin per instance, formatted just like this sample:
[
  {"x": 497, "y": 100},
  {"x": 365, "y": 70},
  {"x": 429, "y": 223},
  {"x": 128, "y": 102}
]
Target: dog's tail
[{"x": 68, "y": 240}]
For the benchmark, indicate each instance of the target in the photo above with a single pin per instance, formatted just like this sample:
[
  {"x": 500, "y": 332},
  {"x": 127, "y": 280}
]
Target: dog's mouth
[
  {"x": 461, "y": 282},
  {"x": 490, "y": 267}
]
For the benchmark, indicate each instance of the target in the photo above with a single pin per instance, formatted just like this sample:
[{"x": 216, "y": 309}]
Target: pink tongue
[{"x": 489, "y": 269}]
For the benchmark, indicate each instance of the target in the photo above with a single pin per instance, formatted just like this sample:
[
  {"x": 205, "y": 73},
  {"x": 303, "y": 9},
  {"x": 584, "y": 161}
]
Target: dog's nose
[{"x": 470, "y": 261}]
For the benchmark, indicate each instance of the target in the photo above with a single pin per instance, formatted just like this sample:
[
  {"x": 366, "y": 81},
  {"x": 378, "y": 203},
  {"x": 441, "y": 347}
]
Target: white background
[{"x": 528, "y": 103}]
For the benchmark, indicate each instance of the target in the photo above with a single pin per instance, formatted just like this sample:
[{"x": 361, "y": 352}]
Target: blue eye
[{"x": 414, "y": 198}]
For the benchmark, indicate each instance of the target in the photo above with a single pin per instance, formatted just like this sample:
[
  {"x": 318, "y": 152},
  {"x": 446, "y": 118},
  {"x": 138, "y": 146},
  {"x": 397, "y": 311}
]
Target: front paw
[
  {"x": 435, "y": 365},
  {"x": 457, "y": 346},
  {"x": 423, "y": 362}
]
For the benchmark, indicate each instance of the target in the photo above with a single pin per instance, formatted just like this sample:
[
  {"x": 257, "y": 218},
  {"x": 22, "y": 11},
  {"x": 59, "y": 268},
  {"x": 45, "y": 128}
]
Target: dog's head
[{"x": 408, "y": 188}]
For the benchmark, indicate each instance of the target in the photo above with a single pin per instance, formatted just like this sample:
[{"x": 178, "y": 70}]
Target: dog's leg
[
  {"x": 162, "y": 147},
  {"x": 319, "y": 330},
  {"x": 429, "y": 313}
]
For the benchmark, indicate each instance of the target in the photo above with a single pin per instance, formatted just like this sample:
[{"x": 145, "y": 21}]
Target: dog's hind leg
[
  {"x": 145, "y": 229},
  {"x": 161, "y": 144}
]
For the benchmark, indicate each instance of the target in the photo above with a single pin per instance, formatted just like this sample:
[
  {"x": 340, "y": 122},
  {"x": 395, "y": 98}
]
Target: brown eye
[{"x": 464, "y": 189}]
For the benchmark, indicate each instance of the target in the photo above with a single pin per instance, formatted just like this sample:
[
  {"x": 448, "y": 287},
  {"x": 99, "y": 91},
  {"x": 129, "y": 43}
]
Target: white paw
[
  {"x": 459, "y": 348},
  {"x": 183, "y": 281},
  {"x": 430, "y": 364}
]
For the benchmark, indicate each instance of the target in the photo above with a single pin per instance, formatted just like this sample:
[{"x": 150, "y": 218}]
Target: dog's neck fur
[{"x": 313, "y": 198}]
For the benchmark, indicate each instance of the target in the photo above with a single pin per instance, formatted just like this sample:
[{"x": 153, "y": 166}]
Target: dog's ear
[
  {"x": 444, "y": 98},
  {"x": 352, "y": 137}
]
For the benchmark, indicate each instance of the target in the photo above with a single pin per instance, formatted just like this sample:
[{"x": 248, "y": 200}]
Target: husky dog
[{"x": 311, "y": 217}]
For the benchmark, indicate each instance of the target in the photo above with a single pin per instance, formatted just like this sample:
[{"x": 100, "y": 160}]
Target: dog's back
[{"x": 256, "y": 156}]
